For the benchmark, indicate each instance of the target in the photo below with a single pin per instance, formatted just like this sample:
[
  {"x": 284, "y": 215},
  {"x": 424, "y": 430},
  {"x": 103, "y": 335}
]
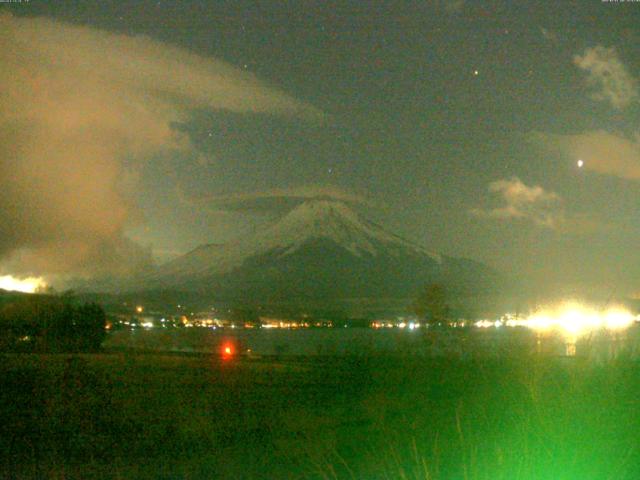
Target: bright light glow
[
  {"x": 618, "y": 319},
  {"x": 228, "y": 351},
  {"x": 569, "y": 318},
  {"x": 484, "y": 324},
  {"x": 580, "y": 163},
  {"x": 575, "y": 319},
  {"x": 27, "y": 285}
]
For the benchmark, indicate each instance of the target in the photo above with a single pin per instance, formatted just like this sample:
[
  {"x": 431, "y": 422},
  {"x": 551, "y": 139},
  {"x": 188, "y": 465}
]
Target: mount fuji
[{"x": 322, "y": 249}]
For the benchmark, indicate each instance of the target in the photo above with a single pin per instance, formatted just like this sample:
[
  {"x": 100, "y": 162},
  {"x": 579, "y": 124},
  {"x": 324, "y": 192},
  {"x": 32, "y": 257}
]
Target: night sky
[{"x": 139, "y": 130}]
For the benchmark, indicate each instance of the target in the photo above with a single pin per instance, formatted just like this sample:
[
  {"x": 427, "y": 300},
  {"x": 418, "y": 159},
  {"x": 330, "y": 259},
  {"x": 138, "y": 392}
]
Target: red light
[{"x": 228, "y": 350}]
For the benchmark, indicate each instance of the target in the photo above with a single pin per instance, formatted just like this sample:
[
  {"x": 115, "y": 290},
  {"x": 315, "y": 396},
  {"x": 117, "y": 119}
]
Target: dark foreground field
[{"x": 128, "y": 416}]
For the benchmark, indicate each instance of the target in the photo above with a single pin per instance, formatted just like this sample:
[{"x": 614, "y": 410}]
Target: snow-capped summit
[
  {"x": 320, "y": 246},
  {"x": 334, "y": 221},
  {"x": 319, "y": 219}
]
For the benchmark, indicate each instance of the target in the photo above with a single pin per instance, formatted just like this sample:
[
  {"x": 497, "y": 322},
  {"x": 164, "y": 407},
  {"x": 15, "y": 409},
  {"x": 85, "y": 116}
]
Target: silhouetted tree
[
  {"x": 90, "y": 321},
  {"x": 245, "y": 315},
  {"x": 431, "y": 305},
  {"x": 49, "y": 323}
]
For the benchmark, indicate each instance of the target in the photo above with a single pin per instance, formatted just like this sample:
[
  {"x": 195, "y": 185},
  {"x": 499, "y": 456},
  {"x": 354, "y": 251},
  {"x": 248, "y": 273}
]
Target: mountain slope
[{"x": 321, "y": 249}]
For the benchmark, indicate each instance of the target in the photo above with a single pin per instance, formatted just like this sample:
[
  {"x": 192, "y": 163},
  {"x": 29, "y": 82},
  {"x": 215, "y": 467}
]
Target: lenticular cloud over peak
[{"x": 76, "y": 104}]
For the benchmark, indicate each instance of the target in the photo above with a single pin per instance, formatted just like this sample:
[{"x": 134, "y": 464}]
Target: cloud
[
  {"x": 276, "y": 200},
  {"x": 519, "y": 201},
  {"x": 601, "y": 152},
  {"x": 608, "y": 76},
  {"x": 80, "y": 109}
]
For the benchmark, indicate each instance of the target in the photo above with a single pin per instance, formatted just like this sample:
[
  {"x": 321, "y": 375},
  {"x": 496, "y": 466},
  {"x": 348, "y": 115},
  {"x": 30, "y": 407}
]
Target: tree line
[{"x": 46, "y": 323}]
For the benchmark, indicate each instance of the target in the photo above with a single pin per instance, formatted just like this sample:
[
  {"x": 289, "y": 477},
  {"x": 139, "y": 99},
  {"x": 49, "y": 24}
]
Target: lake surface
[{"x": 364, "y": 341}]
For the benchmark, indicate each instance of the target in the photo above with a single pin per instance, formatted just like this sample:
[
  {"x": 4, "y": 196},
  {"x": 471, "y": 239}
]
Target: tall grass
[
  {"x": 527, "y": 418},
  {"x": 367, "y": 417}
]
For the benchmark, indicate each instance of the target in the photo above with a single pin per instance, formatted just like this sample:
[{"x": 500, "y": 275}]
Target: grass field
[{"x": 170, "y": 416}]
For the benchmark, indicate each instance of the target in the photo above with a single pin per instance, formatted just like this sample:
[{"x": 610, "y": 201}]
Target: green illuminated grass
[{"x": 163, "y": 416}]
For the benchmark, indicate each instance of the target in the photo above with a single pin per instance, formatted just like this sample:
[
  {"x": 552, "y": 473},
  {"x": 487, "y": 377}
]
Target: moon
[{"x": 580, "y": 163}]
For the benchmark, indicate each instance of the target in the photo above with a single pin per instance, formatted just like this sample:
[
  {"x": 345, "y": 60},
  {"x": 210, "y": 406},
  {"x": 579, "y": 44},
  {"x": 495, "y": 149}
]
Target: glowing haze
[
  {"x": 26, "y": 285},
  {"x": 574, "y": 318},
  {"x": 80, "y": 111}
]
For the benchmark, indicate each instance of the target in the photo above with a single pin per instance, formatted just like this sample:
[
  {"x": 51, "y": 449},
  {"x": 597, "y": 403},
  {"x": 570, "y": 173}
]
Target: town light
[{"x": 573, "y": 318}]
